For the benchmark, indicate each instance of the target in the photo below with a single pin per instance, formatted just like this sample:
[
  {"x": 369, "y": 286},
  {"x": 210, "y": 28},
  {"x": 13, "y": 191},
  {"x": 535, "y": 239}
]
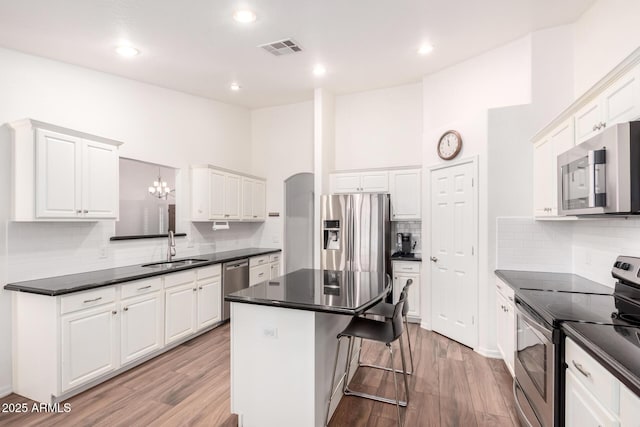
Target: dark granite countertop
[
  {"x": 558, "y": 282},
  {"x": 406, "y": 257},
  {"x": 617, "y": 348},
  {"x": 61, "y": 285},
  {"x": 338, "y": 292}
]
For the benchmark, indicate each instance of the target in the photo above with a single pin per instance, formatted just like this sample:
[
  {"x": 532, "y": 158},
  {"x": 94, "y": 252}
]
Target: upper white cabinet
[
  {"x": 619, "y": 103},
  {"x": 404, "y": 186},
  {"x": 545, "y": 174},
  {"x": 253, "y": 199},
  {"x": 360, "y": 182},
  {"x": 218, "y": 194},
  {"x": 62, "y": 174}
]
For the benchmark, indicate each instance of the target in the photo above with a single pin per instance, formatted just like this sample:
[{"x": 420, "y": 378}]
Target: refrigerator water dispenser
[{"x": 332, "y": 235}]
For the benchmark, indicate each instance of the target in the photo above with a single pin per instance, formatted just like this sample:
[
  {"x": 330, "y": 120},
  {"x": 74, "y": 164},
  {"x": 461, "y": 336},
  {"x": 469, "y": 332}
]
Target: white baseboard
[
  {"x": 425, "y": 325},
  {"x": 6, "y": 391},
  {"x": 492, "y": 353}
]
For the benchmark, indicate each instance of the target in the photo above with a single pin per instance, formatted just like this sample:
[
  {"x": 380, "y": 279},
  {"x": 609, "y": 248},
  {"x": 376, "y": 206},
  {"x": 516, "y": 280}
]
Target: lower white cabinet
[
  {"x": 89, "y": 344},
  {"x": 209, "y": 307},
  {"x": 629, "y": 408},
  {"x": 66, "y": 343},
  {"x": 259, "y": 269},
  {"x": 402, "y": 272},
  {"x": 274, "y": 260},
  {"x": 506, "y": 322},
  {"x": 582, "y": 408},
  {"x": 141, "y": 325},
  {"x": 180, "y": 314}
]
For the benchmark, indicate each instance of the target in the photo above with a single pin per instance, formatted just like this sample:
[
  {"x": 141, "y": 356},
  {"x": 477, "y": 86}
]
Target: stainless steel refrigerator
[{"x": 355, "y": 232}]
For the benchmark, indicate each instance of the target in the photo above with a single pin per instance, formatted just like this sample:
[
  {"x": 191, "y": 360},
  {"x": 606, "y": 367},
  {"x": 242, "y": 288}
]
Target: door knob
[{"x": 434, "y": 259}]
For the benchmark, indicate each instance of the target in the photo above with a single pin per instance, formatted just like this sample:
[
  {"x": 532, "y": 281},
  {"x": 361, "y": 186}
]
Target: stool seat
[
  {"x": 383, "y": 309},
  {"x": 369, "y": 329}
]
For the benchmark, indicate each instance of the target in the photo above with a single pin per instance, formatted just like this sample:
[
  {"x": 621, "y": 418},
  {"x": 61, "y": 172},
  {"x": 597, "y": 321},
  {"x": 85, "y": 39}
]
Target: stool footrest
[
  {"x": 384, "y": 368},
  {"x": 349, "y": 392}
]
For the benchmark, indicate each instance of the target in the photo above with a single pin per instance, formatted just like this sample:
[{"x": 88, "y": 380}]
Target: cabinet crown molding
[
  {"x": 218, "y": 168},
  {"x": 20, "y": 124},
  {"x": 605, "y": 82}
]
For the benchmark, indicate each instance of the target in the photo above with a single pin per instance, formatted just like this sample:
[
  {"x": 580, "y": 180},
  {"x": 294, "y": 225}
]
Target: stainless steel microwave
[{"x": 602, "y": 174}]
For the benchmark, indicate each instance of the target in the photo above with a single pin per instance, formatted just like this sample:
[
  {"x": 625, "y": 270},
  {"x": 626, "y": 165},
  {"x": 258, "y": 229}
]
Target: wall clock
[{"x": 449, "y": 145}]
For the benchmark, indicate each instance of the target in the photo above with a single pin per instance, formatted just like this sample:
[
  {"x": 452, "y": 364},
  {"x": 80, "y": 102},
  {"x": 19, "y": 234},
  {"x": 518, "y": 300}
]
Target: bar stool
[
  {"x": 387, "y": 332},
  {"x": 385, "y": 309}
]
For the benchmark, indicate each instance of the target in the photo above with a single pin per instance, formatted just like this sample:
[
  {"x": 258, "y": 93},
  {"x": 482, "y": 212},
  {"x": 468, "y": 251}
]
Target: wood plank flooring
[{"x": 189, "y": 386}]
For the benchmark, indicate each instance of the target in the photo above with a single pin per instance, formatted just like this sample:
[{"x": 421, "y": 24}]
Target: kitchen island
[{"x": 283, "y": 343}]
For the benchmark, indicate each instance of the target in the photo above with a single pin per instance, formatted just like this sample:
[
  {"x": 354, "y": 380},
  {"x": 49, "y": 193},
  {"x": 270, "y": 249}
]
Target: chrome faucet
[{"x": 171, "y": 249}]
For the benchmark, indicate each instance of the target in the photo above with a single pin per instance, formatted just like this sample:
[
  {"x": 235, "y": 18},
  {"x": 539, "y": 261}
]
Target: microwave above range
[{"x": 602, "y": 175}]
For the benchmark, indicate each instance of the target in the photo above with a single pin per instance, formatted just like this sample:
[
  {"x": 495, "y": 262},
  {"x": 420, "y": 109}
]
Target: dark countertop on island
[
  {"x": 61, "y": 285},
  {"x": 406, "y": 257},
  {"x": 338, "y": 292}
]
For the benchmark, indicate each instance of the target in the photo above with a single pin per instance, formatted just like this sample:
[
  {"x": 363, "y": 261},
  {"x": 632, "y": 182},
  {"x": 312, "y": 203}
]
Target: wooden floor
[{"x": 452, "y": 386}]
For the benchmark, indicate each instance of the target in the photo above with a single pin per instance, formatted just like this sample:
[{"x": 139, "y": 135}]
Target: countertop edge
[
  {"x": 610, "y": 364},
  {"x": 16, "y": 287}
]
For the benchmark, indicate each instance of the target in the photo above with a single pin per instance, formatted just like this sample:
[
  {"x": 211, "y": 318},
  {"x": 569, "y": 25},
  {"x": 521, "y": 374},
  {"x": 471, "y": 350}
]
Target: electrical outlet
[
  {"x": 189, "y": 243},
  {"x": 103, "y": 252},
  {"x": 270, "y": 332},
  {"x": 276, "y": 238}
]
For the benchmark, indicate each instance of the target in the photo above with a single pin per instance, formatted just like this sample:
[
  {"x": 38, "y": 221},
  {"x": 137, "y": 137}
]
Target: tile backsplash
[
  {"x": 587, "y": 247},
  {"x": 413, "y": 227},
  {"x": 44, "y": 249}
]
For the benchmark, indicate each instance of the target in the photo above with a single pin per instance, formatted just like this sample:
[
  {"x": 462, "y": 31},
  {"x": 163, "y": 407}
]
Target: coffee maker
[{"x": 403, "y": 243}]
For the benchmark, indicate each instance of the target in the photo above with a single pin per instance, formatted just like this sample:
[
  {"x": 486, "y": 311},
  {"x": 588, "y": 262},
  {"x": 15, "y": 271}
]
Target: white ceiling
[{"x": 194, "y": 45}]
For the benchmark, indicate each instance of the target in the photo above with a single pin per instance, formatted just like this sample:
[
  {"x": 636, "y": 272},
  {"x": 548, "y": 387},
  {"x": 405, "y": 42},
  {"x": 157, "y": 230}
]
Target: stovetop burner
[{"x": 632, "y": 319}]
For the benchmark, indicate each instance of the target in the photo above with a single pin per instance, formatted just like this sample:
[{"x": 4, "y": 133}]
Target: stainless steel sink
[{"x": 176, "y": 263}]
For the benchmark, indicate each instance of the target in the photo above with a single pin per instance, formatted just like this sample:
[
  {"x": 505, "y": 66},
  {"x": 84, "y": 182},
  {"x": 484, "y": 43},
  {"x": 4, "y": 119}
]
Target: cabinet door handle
[
  {"x": 85, "y": 211},
  {"x": 92, "y": 300},
  {"x": 433, "y": 259},
  {"x": 595, "y": 128},
  {"x": 144, "y": 287},
  {"x": 114, "y": 312},
  {"x": 200, "y": 288},
  {"x": 581, "y": 369},
  {"x": 604, "y": 124},
  {"x": 78, "y": 211},
  {"x": 195, "y": 289},
  {"x": 125, "y": 309}
]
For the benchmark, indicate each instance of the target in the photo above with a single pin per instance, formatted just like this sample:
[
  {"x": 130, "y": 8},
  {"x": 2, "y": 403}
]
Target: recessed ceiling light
[
  {"x": 235, "y": 86},
  {"x": 127, "y": 51},
  {"x": 319, "y": 70},
  {"x": 425, "y": 49},
  {"x": 244, "y": 16}
]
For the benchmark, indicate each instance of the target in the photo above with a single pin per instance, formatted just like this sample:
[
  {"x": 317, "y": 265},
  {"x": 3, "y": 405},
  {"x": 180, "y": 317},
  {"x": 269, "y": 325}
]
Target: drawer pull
[
  {"x": 581, "y": 369},
  {"x": 87, "y": 301},
  {"x": 144, "y": 287},
  {"x": 261, "y": 274}
]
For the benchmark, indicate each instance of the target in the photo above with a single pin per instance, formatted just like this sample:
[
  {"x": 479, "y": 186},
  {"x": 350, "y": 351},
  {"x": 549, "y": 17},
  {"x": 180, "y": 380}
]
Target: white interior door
[{"x": 454, "y": 269}]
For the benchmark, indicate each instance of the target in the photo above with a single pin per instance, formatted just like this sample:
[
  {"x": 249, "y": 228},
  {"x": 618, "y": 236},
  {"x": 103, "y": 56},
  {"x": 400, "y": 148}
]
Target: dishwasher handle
[{"x": 237, "y": 265}]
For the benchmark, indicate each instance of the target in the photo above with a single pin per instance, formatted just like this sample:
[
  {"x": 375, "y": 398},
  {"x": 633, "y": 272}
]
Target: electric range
[{"x": 539, "y": 357}]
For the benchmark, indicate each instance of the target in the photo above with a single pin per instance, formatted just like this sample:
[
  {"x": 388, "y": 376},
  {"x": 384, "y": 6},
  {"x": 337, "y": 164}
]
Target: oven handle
[
  {"x": 522, "y": 416},
  {"x": 535, "y": 322}
]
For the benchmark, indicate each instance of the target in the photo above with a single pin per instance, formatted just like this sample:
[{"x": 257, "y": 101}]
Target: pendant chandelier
[{"x": 160, "y": 189}]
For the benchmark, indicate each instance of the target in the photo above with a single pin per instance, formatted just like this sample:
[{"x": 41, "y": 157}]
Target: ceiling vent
[{"x": 281, "y": 47}]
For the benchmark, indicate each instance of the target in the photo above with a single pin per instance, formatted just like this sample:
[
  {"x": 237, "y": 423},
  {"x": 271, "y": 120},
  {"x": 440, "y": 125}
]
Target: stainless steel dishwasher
[{"x": 235, "y": 276}]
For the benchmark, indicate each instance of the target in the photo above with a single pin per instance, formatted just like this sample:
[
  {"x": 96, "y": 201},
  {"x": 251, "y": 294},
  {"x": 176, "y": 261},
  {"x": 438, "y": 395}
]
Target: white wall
[
  {"x": 5, "y": 296},
  {"x": 459, "y": 98},
  {"x": 282, "y": 146},
  {"x": 155, "y": 124},
  {"x": 379, "y": 128},
  {"x": 604, "y": 35}
]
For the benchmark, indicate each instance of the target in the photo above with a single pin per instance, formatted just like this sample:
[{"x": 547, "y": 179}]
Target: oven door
[
  {"x": 535, "y": 366},
  {"x": 583, "y": 182}
]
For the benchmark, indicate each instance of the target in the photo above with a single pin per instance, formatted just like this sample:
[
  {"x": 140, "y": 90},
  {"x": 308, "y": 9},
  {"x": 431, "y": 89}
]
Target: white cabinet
[
  {"x": 629, "y": 408},
  {"x": 402, "y": 272},
  {"x": 545, "y": 169},
  {"x": 259, "y": 269},
  {"x": 404, "y": 187},
  {"x": 89, "y": 345},
  {"x": 141, "y": 326},
  {"x": 253, "y": 199},
  {"x": 61, "y": 174},
  {"x": 209, "y": 301},
  {"x": 582, "y": 408},
  {"x": 506, "y": 322},
  {"x": 218, "y": 194},
  {"x": 274, "y": 260},
  {"x": 180, "y": 312},
  {"x": 618, "y": 103},
  {"x": 360, "y": 182}
]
